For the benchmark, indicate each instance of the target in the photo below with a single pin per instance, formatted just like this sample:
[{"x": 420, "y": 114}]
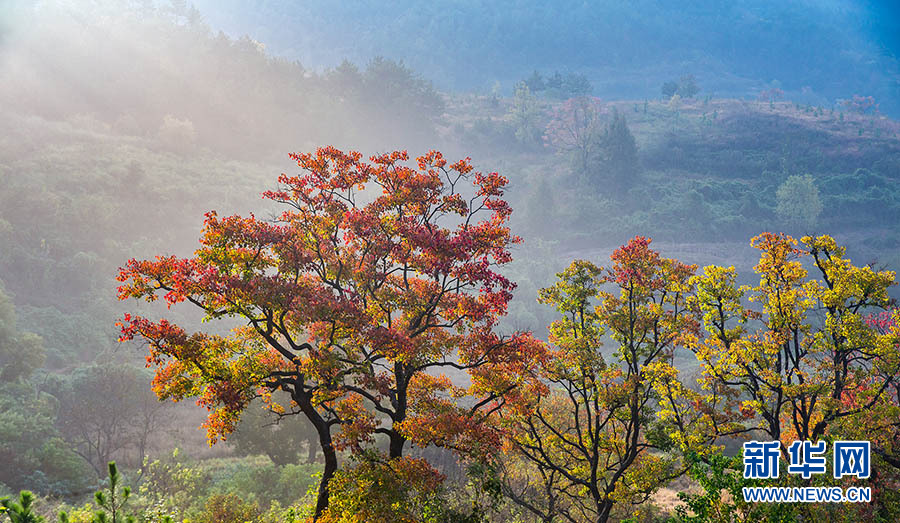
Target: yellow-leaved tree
[
  {"x": 805, "y": 361},
  {"x": 610, "y": 429}
]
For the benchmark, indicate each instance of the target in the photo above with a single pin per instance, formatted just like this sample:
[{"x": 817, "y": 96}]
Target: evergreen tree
[
  {"x": 20, "y": 512},
  {"x": 112, "y": 501},
  {"x": 621, "y": 159}
]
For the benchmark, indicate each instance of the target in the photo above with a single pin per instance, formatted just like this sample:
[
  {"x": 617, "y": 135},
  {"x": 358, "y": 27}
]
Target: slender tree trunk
[
  {"x": 331, "y": 466},
  {"x": 323, "y": 431}
]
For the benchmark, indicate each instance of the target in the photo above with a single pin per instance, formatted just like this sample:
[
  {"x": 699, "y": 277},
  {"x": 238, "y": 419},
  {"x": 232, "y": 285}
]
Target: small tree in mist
[
  {"x": 128, "y": 416},
  {"x": 603, "y": 154},
  {"x": 771, "y": 95},
  {"x": 535, "y": 82},
  {"x": 669, "y": 89},
  {"x": 861, "y": 104},
  {"x": 620, "y": 153},
  {"x": 541, "y": 211},
  {"x": 687, "y": 86},
  {"x": 525, "y": 115},
  {"x": 798, "y": 202},
  {"x": 675, "y": 104},
  {"x": 558, "y": 86},
  {"x": 391, "y": 92},
  {"x": 576, "y": 127}
]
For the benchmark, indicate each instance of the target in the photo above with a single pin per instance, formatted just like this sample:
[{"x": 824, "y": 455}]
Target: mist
[{"x": 123, "y": 123}]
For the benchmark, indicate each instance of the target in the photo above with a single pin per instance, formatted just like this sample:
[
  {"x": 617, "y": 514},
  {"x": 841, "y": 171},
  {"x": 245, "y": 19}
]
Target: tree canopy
[{"x": 354, "y": 309}]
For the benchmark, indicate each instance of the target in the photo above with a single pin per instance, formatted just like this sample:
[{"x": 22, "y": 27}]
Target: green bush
[
  {"x": 263, "y": 484},
  {"x": 798, "y": 200},
  {"x": 228, "y": 508},
  {"x": 171, "y": 487}
]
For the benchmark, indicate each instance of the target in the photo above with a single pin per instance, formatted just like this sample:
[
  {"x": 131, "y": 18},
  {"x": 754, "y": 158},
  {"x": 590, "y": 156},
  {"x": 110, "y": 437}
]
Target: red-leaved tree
[{"x": 354, "y": 309}]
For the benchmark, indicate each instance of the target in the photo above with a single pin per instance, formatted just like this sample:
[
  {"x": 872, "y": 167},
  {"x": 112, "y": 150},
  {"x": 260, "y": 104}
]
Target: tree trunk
[
  {"x": 604, "y": 509},
  {"x": 323, "y": 433},
  {"x": 331, "y": 465},
  {"x": 395, "y": 449}
]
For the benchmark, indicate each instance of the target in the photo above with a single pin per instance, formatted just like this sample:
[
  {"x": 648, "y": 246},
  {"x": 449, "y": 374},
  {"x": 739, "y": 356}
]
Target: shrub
[
  {"x": 228, "y": 508},
  {"x": 403, "y": 490},
  {"x": 669, "y": 89},
  {"x": 685, "y": 87},
  {"x": 284, "y": 484},
  {"x": 170, "y": 487},
  {"x": 798, "y": 201}
]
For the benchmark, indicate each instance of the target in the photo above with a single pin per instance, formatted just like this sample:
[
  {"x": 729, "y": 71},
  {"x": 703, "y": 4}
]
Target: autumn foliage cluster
[
  {"x": 373, "y": 302},
  {"x": 355, "y": 310}
]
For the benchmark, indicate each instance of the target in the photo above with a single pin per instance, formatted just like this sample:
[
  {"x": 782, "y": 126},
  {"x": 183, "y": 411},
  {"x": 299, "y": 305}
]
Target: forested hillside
[
  {"x": 122, "y": 127},
  {"x": 814, "y": 50}
]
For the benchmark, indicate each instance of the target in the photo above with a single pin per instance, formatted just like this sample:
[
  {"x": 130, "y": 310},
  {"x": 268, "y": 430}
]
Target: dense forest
[{"x": 528, "y": 262}]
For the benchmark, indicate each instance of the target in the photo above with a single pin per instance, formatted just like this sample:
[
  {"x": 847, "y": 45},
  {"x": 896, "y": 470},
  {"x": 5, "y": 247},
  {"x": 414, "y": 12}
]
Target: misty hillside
[
  {"x": 122, "y": 124},
  {"x": 206, "y": 122},
  {"x": 817, "y": 51}
]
